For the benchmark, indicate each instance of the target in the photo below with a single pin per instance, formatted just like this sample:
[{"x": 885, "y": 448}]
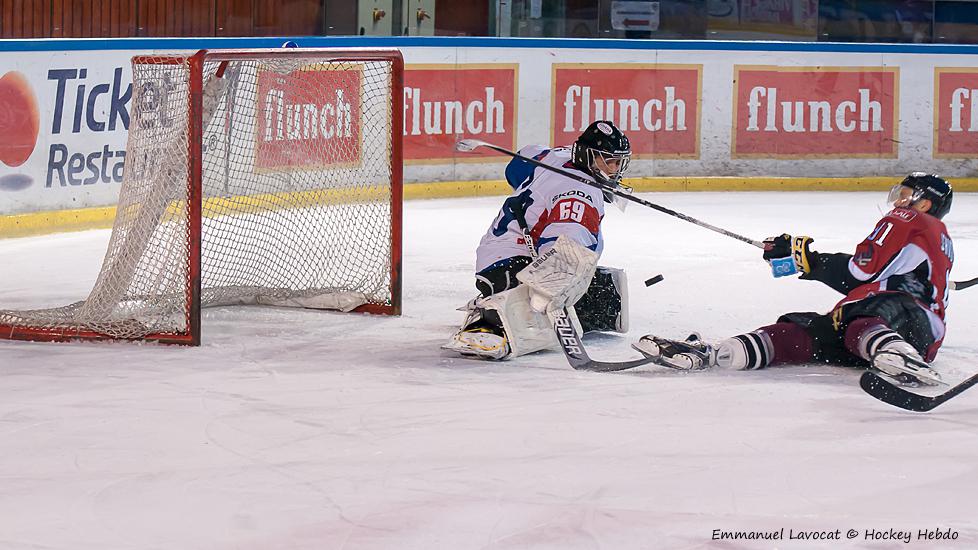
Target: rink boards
[{"x": 700, "y": 115}]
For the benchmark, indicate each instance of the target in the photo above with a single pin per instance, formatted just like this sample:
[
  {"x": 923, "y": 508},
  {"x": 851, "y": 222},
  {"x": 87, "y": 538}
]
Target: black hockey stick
[
  {"x": 577, "y": 356},
  {"x": 961, "y": 285},
  {"x": 469, "y": 145},
  {"x": 875, "y": 385}
]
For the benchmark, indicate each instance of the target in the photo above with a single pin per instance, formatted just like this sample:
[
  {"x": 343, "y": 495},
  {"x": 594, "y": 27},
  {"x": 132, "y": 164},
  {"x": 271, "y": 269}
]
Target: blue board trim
[{"x": 82, "y": 44}]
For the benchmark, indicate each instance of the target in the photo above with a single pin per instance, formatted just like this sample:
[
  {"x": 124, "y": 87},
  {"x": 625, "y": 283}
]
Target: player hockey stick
[
  {"x": 469, "y": 145},
  {"x": 878, "y": 387},
  {"x": 961, "y": 285}
]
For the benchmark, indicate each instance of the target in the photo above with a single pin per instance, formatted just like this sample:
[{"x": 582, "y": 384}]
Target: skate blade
[
  {"x": 911, "y": 372},
  {"x": 650, "y": 350},
  {"x": 909, "y": 381}
]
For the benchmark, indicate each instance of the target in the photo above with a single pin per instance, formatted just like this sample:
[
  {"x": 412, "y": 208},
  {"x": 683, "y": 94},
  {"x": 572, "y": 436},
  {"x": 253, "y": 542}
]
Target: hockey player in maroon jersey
[
  {"x": 892, "y": 315},
  {"x": 557, "y": 220}
]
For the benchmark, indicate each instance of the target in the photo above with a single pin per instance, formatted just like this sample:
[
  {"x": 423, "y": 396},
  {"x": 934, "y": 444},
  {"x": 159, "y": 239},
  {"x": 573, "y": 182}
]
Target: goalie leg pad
[
  {"x": 604, "y": 307},
  {"x": 509, "y": 315}
]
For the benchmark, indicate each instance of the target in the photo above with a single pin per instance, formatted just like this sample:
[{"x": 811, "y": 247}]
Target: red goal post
[{"x": 269, "y": 177}]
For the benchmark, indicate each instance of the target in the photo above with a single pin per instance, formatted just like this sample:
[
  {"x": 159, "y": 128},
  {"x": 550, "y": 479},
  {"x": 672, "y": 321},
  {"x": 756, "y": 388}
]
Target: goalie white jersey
[{"x": 551, "y": 204}]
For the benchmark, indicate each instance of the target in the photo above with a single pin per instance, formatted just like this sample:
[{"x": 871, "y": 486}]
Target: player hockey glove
[
  {"x": 560, "y": 276},
  {"x": 789, "y": 255}
]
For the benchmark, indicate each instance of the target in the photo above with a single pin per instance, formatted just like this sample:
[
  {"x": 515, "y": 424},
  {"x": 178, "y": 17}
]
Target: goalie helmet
[
  {"x": 921, "y": 185},
  {"x": 603, "y": 152}
]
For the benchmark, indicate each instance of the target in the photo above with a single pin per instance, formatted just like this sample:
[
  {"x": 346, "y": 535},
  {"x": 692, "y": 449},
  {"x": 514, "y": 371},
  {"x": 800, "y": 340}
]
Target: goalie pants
[
  {"x": 598, "y": 309},
  {"x": 841, "y": 336}
]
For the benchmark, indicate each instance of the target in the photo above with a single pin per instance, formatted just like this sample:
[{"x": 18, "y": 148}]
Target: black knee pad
[{"x": 501, "y": 276}]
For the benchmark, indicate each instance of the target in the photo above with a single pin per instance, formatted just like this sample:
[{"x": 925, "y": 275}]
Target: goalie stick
[
  {"x": 469, "y": 145},
  {"x": 577, "y": 356},
  {"x": 881, "y": 389}
]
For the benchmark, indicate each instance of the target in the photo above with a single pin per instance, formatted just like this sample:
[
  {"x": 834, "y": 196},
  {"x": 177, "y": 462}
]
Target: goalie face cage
[{"x": 252, "y": 177}]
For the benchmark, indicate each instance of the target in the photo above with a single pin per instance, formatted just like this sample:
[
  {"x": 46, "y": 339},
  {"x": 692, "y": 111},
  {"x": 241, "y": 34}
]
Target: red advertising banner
[
  {"x": 444, "y": 103},
  {"x": 656, "y": 105},
  {"x": 815, "y": 112},
  {"x": 955, "y": 112},
  {"x": 309, "y": 119}
]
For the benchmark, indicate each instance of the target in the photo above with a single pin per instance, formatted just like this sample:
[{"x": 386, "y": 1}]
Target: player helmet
[
  {"x": 602, "y": 151},
  {"x": 921, "y": 185}
]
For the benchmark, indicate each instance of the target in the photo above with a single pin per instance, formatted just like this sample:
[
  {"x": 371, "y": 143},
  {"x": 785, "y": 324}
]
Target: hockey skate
[
  {"x": 479, "y": 341},
  {"x": 905, "y": 367},
  {"x": 689, "y": 354}
]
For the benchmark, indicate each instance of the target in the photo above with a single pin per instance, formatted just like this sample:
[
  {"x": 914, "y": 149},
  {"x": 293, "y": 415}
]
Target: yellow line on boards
[
  {"x": 41, "y": 223},
  {"x": 58, "y": 221}
]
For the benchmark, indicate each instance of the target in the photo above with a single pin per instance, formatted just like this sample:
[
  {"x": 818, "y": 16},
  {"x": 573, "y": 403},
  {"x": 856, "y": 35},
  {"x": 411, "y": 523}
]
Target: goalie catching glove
[
  {"x": 790, "y": 255},
  {"x": 560, "y": 276}
]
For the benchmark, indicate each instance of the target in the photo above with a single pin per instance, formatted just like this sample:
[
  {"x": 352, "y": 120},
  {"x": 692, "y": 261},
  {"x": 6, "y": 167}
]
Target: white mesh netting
[{"x": 296, "y": 186}]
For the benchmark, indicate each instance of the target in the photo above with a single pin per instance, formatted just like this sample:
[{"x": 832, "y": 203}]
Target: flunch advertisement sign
[
  {"x": 815, "y": 112},
  {"x": 444, "y": 103},
  {"x": 309, "y": 119},
  {"x": 955, "y": 112},
  {"x": 656, "y": 105}
]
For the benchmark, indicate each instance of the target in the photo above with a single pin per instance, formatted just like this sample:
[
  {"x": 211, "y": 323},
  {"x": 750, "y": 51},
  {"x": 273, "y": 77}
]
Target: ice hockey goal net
[{"x": 252, "y": 177}]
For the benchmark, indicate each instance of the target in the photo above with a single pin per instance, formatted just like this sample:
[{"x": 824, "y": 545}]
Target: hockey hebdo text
[{"x": 870, "y": 535}]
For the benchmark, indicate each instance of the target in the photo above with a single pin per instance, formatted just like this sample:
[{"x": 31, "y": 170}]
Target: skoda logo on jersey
[{"x": 572, "y": 193}]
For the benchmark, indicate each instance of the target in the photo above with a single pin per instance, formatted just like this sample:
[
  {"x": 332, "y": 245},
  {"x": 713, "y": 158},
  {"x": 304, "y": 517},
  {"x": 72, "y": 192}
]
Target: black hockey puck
[{"x": 653, "y": 280}]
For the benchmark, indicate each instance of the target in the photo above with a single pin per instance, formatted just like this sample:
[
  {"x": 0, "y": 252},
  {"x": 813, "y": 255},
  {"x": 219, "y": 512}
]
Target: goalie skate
[
  {"x": 689, "y": 354},
  {"x": 479, "y": 342},
  {"x": 905, "y": 368}
]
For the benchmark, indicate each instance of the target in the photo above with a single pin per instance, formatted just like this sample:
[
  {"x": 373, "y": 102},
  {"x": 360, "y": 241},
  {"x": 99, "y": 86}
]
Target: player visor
[{"x": 900, "y": 193}]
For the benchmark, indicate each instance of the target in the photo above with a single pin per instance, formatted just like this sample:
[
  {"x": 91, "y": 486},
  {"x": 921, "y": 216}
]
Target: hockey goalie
[{"x": 540, "y": 253}]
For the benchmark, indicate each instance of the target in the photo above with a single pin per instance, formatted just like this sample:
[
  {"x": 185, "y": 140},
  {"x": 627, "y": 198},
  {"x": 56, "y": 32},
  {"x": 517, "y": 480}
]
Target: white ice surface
[{"x": 308, "y": 430}]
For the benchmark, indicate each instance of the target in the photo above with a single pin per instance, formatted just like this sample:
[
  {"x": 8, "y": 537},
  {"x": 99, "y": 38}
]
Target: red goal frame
[{"x": 194, "y": 186}]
